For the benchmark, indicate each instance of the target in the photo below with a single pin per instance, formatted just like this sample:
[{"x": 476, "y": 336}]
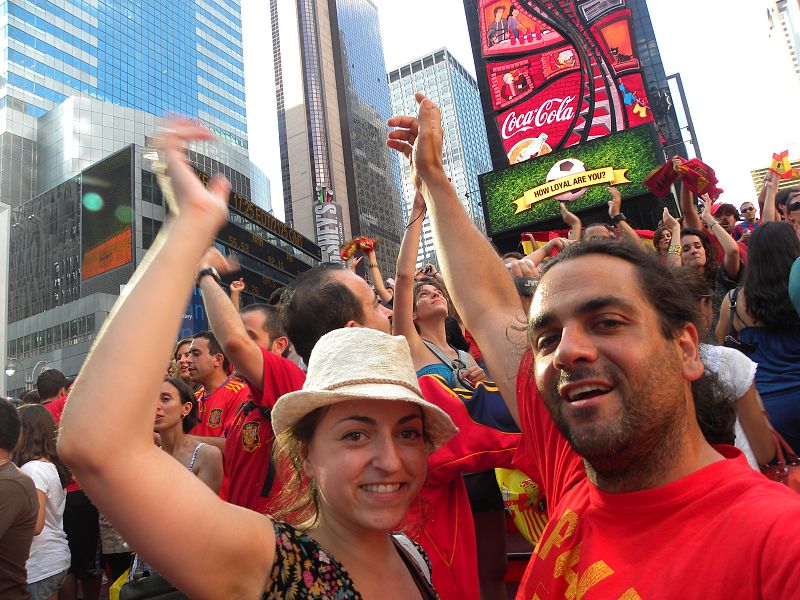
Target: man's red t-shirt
[
  {"x": 56, "y": 408},
  {"x": 248, "y": 443},
  {"x": 440, "y": 518},
  {"x": 215, "y": 412},
  {"x": 724, "y": 531}
]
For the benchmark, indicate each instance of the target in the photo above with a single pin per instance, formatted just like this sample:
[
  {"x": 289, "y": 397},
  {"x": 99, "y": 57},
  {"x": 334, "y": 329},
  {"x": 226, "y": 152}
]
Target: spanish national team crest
[
  {"x": 215, "y": 418},
  {"x": 250, "y": 438}
]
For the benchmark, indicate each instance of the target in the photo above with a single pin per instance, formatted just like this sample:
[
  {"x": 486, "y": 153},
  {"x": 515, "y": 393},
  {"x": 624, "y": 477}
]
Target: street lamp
[{"x": 11, "y": 369}]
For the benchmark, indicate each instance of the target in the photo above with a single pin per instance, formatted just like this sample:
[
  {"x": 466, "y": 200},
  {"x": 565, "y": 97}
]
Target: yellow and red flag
[{"x": 782, "y": 167}]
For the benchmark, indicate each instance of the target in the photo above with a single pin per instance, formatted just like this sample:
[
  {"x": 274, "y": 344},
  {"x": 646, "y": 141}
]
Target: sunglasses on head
[{"x": 793, "y": 206}]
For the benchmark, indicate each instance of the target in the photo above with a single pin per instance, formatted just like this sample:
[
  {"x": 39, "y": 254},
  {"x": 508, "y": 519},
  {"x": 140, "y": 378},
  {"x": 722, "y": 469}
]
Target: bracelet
[
  {"x": 712, "y": 225},
  {"x": 373, "y": 266},
  {"x": 675, "y": 249}
]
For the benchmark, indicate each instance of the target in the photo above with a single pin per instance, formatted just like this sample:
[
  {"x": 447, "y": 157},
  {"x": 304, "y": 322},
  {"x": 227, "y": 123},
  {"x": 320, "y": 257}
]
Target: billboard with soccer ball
[
  {"x": 554, "y": 73},
  {"x": 528, "y": 193}
]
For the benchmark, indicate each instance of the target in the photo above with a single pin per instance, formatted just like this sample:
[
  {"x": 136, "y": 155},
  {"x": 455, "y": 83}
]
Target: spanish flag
[{"x": 782, "y": 167}]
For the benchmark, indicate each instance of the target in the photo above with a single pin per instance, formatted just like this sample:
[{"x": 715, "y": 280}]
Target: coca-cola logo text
[{"x": 554, "y": 110}]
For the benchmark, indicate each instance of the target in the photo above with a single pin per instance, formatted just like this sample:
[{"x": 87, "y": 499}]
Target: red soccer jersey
[
  {"x": 440, "y": 518},
  {"x": 215, "y": 412},
  {"x": 248, "y": 444},
  {"x": 724, "y": 531}
]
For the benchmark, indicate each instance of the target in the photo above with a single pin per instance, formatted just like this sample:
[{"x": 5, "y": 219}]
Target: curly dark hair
[
  {"x": 772, "y": 250},
  {"x": 712, "y": 260}
]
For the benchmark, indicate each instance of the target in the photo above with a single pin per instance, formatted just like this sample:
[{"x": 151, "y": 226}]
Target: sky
[{"x": 741, "y": 90}]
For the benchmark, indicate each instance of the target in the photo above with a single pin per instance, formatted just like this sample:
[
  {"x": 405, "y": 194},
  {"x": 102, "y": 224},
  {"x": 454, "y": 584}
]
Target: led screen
[
  {"x": 107, "y": 214},
  {"x": 530, "y": 192}
]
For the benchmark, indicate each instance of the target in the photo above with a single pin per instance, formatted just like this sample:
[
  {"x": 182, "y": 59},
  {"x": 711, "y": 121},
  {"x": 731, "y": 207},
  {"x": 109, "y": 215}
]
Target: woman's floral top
[{"x": 303, "y": 569}]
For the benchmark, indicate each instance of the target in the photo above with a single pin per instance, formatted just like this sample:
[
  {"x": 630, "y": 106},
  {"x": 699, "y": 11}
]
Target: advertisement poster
[
  {"x": 555, "y": 74},
  {"x": 524, "y": 194}
]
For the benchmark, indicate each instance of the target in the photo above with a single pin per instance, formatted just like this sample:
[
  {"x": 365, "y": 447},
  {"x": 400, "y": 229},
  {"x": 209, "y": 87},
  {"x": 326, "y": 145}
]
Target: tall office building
[
  {"x": 784, "y": 23},
  {"x": 465, "y": 150},
  {"x": 82, "y": 86},
  {"x": 339, "y": 178},
  {"x": 157, "y": 57}
]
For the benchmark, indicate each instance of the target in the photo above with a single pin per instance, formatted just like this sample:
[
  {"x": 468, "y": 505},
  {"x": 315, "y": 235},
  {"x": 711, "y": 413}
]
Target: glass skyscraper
[
  {"x": 333, "y": 103},
  {"x": 183, "y": 56},
  {"x": 466, "y": 149}
]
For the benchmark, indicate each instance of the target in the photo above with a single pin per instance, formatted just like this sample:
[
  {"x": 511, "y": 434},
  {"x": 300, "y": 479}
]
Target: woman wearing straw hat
[{"x": 357, "y": 432}]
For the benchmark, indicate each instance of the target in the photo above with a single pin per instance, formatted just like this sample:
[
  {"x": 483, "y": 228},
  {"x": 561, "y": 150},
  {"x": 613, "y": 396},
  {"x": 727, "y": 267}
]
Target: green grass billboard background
[{"x": 632, "y": 149}]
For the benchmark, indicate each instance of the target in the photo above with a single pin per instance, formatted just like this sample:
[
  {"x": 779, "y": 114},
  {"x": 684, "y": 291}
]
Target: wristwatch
[
  {"x": 616, "y": 219},
  {"x": 209, "y": 271}
]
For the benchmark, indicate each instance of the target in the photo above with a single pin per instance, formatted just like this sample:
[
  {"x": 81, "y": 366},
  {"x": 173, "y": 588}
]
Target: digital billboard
[
  {"x": 524, "y": 194},
  {"x": 553, "y": 74},
  {"x": 107, "y": 214}
]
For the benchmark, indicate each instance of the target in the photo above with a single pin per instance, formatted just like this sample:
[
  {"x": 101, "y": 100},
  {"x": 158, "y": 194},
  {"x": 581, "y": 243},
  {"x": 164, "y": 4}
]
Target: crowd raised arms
[{"x": 311, "y": 453}]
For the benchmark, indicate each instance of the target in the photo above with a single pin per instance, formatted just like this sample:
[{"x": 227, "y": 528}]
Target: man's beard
[{"x": 643, "y": 434}]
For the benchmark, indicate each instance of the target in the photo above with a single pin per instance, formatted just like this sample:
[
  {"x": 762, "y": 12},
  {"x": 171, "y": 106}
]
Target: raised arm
[
  {"x": 538, "y": 255},
  {"x": 492, "y": 311},
  {"x": 375, "y": 275},
  {"x": 237, "y": 287},
  {"x": 730, "y": 260},
  {"x": 769, "y": 190},
  {"x": 572, "y": 221},
  {"x": 614, "y": 210},
  {"x": 403, "y": 307},
  {"x": 244, "y": 353},
  {"x": 674, "y": 250},
  {"x": 691, "y": 219},
  {"x": 105, "y": 442}
]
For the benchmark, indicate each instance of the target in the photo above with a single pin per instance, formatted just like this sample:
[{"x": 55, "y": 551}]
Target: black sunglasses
[
  {"x": 793, "y": 206},
  {"x": 750, "y": 209}
]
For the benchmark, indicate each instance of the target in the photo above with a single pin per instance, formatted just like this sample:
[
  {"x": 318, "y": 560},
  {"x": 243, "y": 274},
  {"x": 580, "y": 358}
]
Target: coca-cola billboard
[{"x": 555, "y": 73}]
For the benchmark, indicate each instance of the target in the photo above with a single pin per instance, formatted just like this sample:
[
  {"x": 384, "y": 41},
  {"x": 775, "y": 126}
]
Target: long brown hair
[{"x": 38, "y": 440}]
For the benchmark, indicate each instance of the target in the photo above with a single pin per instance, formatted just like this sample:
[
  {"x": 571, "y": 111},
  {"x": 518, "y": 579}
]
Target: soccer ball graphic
[{"x": 564, "y": 168}]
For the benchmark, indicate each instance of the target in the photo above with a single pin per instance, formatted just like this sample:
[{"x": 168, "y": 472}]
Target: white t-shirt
[
  {"x": 49, "y": 550},
  {"x": 736, "y": 372}
]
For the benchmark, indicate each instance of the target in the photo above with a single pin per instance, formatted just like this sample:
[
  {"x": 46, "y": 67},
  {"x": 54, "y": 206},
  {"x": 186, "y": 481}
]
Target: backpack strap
[{"x": 438, "y": 352}]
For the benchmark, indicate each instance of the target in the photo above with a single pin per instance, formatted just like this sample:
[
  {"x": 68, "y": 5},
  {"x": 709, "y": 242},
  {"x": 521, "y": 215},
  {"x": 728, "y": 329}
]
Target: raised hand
[
  {"x": 615, "y": 203},
  {"x": 223, "y": 264},
  {"x": 237, "y": 285},
  {"x": 669, "y": 221},
  {"x": 354, "y": 263},
  {"x": 569, "y": 218},
  {"x": 771, "y": 182},
  {"x": 420, "y": 139},
  {"x": 706, "y": 202},
  {"x": 183, "y": 189},
  {"x": 676, "y": 162}
]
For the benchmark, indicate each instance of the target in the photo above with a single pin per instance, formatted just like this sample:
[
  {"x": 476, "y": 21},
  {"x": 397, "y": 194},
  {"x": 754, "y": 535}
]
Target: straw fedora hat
[{"x": 357, "y": 363}]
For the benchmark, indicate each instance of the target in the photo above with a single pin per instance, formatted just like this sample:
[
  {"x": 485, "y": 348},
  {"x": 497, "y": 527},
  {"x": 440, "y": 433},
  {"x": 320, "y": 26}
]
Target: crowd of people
[{"x": 340, "y": 441}]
